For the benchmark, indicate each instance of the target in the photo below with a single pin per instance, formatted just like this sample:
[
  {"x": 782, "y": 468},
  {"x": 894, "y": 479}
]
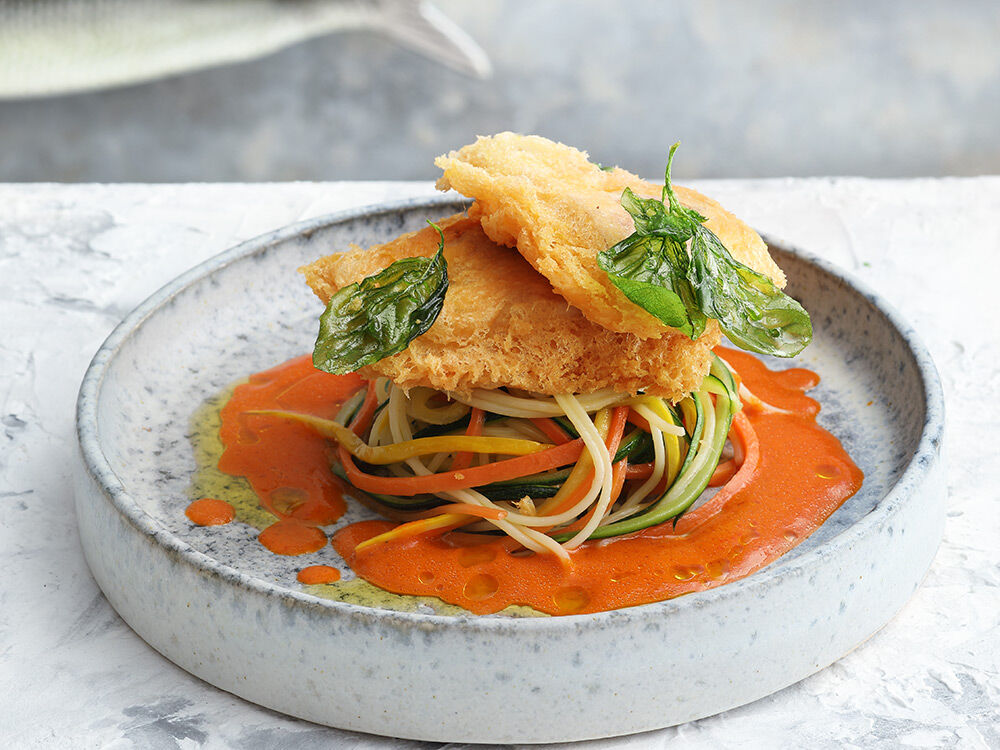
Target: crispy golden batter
[
  {"x": 559, "y": 210},
  {"x": 502, "y": 325}
]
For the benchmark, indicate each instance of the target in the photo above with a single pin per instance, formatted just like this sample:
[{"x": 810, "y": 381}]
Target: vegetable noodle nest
[{"x": 550, "y": 472}]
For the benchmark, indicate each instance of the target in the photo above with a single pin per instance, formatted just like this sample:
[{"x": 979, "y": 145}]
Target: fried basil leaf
[
  {"x": 651, "y": 270},
  {"x": 675, "y": 268},
  {"x": 379, "y": 316},
  {"x": 751, "y": 310}
]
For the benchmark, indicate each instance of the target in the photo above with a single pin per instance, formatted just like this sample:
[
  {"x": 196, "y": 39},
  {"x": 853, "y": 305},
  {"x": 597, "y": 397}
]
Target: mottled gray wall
[{"x": 752, "y": 89}]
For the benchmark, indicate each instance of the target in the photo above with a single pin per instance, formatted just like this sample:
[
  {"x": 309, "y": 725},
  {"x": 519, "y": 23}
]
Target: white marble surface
[{"x": 74, "y": 259}]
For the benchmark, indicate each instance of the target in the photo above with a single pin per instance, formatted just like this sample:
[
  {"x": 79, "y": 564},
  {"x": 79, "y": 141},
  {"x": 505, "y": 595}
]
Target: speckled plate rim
[{"x": 98, "y": 467}]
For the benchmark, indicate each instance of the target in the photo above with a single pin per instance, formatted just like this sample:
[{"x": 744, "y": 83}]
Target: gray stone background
[{"x": 752, "y": 89}]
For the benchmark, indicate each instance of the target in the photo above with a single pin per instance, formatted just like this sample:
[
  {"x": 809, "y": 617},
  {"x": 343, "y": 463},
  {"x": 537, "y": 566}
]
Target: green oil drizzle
[{"x": 359, "y": 591}]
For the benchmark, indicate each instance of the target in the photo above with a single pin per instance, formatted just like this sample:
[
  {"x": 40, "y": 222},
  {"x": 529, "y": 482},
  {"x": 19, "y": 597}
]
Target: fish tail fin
[{"x": 420, "y": 26}]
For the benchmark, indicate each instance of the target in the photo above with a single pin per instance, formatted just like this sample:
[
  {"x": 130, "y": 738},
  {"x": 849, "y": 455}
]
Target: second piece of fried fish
[{"x": 560, "y": 210}]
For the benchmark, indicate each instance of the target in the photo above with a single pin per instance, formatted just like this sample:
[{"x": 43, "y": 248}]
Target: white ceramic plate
[{"x": 216, "y": 603}]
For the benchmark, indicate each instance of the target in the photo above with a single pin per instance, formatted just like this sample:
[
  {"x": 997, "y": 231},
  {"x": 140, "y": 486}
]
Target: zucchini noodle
[{"x": 657, "y": 469}]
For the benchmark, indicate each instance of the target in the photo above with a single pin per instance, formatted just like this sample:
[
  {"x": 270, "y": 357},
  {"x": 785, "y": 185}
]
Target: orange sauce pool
[
  {"x": 210, "y": 512},
  {"x": 289, "y": 536},
  {"x": 803, "y": 475},
  {"x": 316, "y": 574},
  {"x": 286, "y": 464}
]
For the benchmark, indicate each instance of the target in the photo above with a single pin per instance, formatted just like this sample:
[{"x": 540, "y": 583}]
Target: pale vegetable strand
[{"x": 602, "y": 464}]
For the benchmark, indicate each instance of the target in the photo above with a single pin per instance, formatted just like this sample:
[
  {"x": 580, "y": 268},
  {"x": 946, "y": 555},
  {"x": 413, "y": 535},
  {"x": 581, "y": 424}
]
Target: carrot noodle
[
  {"x": 618, "y": 478},
  {"x": 477, "y": 419},
  {"x": 551, "y": 430},
  {"x": 638, "y": 471},
  {"x": 723, "y": 473},
  {"x": 639, "y": 421},
  {"x": 511, "y": 468}
]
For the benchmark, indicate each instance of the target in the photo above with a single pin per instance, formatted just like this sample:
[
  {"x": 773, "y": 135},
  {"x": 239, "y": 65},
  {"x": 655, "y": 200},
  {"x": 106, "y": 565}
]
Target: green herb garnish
[
  {"x": 675, "y": 268},
  {"x": 379, "y": 316}
]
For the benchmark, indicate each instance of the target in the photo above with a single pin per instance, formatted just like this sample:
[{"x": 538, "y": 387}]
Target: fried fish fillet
[
  {"x": 502, "y": 325},
  {"x": 559, "y": 210}
]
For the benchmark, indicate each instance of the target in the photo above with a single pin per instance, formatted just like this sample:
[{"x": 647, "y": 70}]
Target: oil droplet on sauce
[
  {"x": 717, "y": 568},
  {"x": 481, "y": 586},
  {"x": 292, "y": 537},
  {"x": 210, "y": 512},
  {"x": 316, "y": 574},
  {"x": 685, "y": 573},
  {"x": 571, "y": 599},
  {"x": 828, "y": 471}
]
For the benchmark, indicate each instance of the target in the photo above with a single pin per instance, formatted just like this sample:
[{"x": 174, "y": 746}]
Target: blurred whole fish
[{"x": 50, "y": 47}]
